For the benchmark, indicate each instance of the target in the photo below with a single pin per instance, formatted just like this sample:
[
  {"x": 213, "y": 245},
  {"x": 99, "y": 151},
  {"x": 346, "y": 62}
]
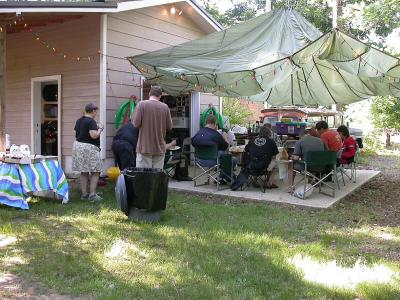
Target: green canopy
[{"x": 278, "y": 57}]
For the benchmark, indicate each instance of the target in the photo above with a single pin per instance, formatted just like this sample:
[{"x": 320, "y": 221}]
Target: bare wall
[
  {"x": 27, "y": 58},
  {"x": 132, "y": 33}
]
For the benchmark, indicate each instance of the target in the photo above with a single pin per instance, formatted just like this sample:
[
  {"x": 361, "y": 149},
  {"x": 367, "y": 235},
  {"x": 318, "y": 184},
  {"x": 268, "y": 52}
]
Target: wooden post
[{"x": 2, "y": 88}]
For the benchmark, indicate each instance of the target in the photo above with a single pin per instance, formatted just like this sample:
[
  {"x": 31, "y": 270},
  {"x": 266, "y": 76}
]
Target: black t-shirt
[
  {"x": 82, "y": 127},
  {"x": 128, "y": 133},
  {"x": 262, "y": 148}
]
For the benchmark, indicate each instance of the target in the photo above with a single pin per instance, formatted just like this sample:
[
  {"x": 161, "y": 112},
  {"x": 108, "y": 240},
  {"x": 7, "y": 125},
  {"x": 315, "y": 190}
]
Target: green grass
[{"x": 199, "y": 249}]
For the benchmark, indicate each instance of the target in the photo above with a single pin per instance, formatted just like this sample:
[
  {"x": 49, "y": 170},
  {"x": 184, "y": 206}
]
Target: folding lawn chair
[
  {"x": 226, "y": 168},
  {"x": 206, "y": 159},
  {"x": 212, "y": 166},
  {"x": 186, "y": 148},
  {"x": 352, "y": 166},
  {"x": 258, "y": 176},
  {"x": 316, "y": 164},
  {"x": 170, "y": 165}
]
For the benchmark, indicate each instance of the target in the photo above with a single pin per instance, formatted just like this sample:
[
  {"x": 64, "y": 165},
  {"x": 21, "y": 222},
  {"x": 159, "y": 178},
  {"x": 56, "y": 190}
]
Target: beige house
[{"x": 62, "y": 55}]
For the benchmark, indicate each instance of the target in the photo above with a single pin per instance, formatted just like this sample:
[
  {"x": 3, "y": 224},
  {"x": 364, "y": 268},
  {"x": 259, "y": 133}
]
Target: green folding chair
[
  {"x": 208, "y": 153},
  {"x": 226, "y": 168},
  {"x": 315, "y": 163},
  {"x": 350, "y": 166}
]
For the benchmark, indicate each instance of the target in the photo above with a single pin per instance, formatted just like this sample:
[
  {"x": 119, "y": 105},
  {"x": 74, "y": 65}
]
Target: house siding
[
  {"x": 26, "y": 58},
  {"x": 208, "y": 99},
  {"x": 132, "y": 33}
]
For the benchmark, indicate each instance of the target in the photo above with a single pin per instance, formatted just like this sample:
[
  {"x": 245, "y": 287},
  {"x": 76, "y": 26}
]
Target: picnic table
[{"x": 18, "y": 182}]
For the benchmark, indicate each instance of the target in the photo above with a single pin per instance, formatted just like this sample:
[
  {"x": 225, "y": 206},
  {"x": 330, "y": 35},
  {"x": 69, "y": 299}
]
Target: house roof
[
  {"x": 52, "y": 4},
  {"x": 18, "y": 7}
]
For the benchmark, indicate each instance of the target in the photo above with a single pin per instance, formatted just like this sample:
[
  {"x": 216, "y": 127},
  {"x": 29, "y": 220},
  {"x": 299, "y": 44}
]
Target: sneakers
[
  {"x": 95, "y": 198},
  {"x": 85, "y": 197}
]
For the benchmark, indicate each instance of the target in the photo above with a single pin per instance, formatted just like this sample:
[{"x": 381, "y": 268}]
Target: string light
[{"x": 38, "y": 38}]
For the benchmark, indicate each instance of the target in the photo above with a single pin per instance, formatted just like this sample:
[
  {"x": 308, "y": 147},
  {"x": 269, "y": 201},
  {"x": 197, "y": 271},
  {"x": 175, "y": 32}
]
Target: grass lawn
[{"x": 206, "y": 249}]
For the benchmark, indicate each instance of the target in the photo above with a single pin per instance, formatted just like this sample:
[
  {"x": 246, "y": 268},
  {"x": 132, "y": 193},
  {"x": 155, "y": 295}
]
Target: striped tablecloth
[
  {"x": 11, "y": 192},
  {"x": 22, "y": 181}
]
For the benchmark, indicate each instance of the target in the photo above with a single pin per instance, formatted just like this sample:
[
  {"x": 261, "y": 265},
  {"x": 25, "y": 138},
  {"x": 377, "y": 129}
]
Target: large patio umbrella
[{"x": 278, "y": 57}]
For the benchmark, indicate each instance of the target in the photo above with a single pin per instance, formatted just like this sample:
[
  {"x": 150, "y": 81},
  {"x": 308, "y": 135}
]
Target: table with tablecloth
[{"x": 18, "y": 182}]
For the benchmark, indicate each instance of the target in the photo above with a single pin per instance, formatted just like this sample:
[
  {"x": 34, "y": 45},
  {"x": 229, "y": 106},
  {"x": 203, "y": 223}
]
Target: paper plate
[{"x": 174, "y": 148}]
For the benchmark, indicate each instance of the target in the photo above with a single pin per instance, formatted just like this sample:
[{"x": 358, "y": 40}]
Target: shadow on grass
[
  {"x": 180, "y": 266},
  {"x": 198, "y": 250}
]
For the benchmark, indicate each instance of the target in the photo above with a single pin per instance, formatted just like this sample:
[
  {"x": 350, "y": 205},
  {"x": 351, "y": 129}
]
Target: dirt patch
[
  {"x": 381, "y": 195},
  {"x": 14, "y": 287}
]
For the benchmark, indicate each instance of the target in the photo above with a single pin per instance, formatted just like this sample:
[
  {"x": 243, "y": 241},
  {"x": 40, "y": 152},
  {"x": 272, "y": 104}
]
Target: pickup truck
[{"x": 357, "y": 134}]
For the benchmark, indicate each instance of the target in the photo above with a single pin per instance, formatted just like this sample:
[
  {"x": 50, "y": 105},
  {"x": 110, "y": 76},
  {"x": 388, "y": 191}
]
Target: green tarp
[{"x": 278, "y": 57}]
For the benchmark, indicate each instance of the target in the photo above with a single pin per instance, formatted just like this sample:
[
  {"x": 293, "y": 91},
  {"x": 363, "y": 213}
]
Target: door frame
[{"x": 36, "y": 80}]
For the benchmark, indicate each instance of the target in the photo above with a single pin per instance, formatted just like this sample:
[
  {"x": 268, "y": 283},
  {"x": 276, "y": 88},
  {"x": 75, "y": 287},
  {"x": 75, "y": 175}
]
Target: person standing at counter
[
  {"x": 153, "y": 119},
  {"x": 86, "y": 152}
]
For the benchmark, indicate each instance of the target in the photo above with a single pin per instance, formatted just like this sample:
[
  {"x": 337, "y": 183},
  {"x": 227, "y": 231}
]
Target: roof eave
[
  {"x": 214, "y": 23},
  {"x": 19, "y": 7}
]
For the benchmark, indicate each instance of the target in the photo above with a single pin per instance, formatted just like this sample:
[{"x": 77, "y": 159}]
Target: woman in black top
[{"x": 86, "y": 152}]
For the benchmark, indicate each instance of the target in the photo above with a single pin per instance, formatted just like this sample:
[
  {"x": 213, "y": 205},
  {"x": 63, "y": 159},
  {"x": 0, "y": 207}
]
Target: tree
[
  {"x": 369, "y": 21},
  {"x": 212, "y": 9},
  {"x": 316, "y": 12},
  {"x": 241, "y": 11},
  {"x": 235, "y": 111},
  {"x": 386, "y": 115}
]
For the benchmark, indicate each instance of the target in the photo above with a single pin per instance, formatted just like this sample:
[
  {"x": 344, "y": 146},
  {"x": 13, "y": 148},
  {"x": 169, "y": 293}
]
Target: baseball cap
[{"x": 90, "y": 107}]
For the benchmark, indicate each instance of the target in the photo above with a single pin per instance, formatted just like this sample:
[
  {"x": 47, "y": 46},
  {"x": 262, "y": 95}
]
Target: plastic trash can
[{"x": 142, "y": 193}]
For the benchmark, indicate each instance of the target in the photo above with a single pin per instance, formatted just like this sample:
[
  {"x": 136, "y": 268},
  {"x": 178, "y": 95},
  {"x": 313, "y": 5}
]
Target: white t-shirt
[{"x": 231, "y": 137}]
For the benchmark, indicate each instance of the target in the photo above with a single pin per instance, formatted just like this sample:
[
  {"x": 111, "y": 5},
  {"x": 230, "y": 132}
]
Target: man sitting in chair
[
  {"x": 349, "y": 145},
  {"x": 209, "y": 136},
  {"x": 331, "y": 138},
  {"x": 264, "y": 150},
  {"x": 309, "y": 142}
]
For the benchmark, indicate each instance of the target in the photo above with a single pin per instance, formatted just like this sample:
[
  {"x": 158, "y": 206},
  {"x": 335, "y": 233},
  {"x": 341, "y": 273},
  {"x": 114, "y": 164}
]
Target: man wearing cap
[{"x": 153, "y": 119}]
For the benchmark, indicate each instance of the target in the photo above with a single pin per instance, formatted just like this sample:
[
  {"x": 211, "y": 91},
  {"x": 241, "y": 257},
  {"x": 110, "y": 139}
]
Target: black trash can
[{"x": 142, "y": 193}]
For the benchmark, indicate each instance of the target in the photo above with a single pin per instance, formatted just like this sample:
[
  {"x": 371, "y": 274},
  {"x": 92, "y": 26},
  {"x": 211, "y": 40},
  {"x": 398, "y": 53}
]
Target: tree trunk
[
  {"x": 2, "y": 88},
  {"x": 388, "y": 134}
]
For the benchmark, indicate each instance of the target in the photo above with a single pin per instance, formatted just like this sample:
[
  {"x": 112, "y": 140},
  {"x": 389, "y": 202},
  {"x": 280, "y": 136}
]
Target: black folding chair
[{"x": 257, "y": 170}]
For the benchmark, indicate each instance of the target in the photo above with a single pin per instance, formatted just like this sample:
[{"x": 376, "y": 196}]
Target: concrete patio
[{"x": 316, "y": 200}]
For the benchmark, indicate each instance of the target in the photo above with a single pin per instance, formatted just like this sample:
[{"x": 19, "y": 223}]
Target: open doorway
[
  {"x": 179, "y": 107},
  {"x": 46, "y": 115}
]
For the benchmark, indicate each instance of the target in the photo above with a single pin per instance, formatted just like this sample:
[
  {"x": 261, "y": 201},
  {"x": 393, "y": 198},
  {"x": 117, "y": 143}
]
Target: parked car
[{"x": 357, "y": 134}]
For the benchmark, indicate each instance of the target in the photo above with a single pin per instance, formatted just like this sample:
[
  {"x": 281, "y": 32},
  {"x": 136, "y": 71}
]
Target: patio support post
[{"x": 2, "y": 88}]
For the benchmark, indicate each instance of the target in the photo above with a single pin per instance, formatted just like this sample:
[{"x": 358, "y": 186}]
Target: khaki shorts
[{"x": 150, "y": 161}]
